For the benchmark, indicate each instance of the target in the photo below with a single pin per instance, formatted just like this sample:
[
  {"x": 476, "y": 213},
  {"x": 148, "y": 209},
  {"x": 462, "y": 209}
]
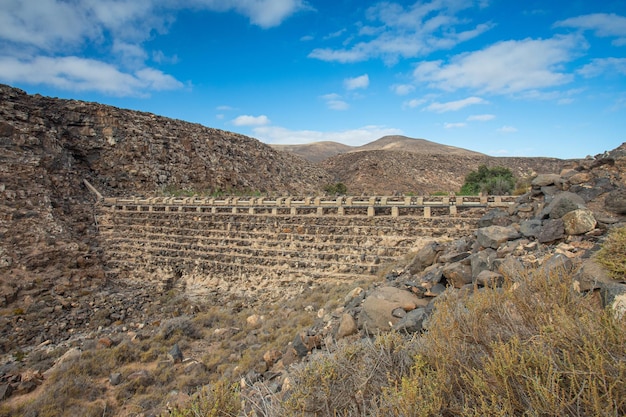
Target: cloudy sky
[{"x": 507, "y": 78}]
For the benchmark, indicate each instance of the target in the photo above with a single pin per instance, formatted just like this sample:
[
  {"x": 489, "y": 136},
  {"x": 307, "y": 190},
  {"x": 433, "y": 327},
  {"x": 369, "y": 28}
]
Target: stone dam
[{"x": 270, "y": 248}]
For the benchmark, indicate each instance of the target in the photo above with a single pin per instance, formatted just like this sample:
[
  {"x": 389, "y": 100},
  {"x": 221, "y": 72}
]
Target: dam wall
[{"x": 264, "y": 250}]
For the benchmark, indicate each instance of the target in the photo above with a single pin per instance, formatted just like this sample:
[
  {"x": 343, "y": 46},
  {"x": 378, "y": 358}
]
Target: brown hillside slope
[
  {"x": 315, "y": 152},
  {"x": 387, "y": 172},
  {"x": 48, "y": 146}
]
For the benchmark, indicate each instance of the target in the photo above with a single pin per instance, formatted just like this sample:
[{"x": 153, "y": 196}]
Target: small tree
[
  {"x": 495, "y": 181},
  {"x": 338, "y": 188}
]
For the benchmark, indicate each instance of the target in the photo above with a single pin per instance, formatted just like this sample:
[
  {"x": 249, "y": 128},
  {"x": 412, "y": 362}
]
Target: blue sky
[{"x": 502, "y": 77}]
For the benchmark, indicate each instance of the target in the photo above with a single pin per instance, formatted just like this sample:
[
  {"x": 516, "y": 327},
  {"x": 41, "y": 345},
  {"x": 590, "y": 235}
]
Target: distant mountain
[
  {"x": 319, "y": 151},
  {"x": 405, "y": 144},
  {"x": 316, "y": 151}
]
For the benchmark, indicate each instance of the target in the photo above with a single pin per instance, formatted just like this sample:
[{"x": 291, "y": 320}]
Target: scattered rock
[
  {"x": 458, "y": 274},
  {"x": 561, "y": 204},
  {"x": 413, "y": 322},
  {"x": 590, "y": 275},
  {"x": 542, "y": 180},
  {"x": 615, "y": 201},
  {"x": 489, "y": 279},
  {"x": 494, "y": 236},
  {"x": 530, "y": 228},
  {"x": 175, "y": 354},
  {"x": 115, "y": 378},
  {"x": 579, "y": 221},
  {"x": 552, "y": 230}
]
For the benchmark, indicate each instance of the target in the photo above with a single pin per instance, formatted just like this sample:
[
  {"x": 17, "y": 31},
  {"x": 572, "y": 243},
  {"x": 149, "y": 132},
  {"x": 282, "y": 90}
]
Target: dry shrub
[
  {"x": 348, "y": 381},
  {"x": 220, "y": 399},
  {"x": 534, "y": 348},
  {"x": 613, "y": 253}
]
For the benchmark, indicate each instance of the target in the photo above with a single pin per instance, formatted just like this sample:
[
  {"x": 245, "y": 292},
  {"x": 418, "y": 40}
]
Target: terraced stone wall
[{"x": 261, "y": 256}]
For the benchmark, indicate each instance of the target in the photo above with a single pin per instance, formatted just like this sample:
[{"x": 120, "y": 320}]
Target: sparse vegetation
[
  {"x": 494, "y": 181},
  {"x": 613, "y": 253},
  {"x": 336, "y": 188}
]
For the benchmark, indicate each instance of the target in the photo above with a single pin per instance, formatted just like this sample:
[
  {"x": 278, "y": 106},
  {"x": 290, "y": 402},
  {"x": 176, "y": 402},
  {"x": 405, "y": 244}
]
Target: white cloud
[
  {"x": 600, "y": 66},
  {"x": 453, "y": 125},
  {"x": 246, "y": 120},
  {"x": 507, "y": 129},
  {"x": 60, "y": 32},
  {"x": 335, "y": 102},
  {"x": 79, "y": 74},
  {"x": 413, "y": 103},
  {"x": 505, "y": 67},
  {"x": 397, "y": 32},
  {"x": 352, "y": 137},
  {"x": 362, "y": 81},
  {"x": 402, "y": 89},
  {"x": 481, "y": 118},
  {"x": 224, "y": 107},
  {"x": 455, "y": 105},
  {"x": 603, "y": 25}
]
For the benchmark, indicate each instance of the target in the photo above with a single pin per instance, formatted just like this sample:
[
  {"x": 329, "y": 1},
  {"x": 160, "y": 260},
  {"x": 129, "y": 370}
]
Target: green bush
[
  {"x": 337, "y": 188},
  {"x": 494, "y": 181}
]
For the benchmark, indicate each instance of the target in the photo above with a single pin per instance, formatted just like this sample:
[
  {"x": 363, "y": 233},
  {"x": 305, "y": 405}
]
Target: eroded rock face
[{"x": 49, "y": 244}]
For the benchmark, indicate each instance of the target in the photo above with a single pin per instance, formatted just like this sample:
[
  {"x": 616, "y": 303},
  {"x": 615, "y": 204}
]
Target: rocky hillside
[
  {"x": 389, "y": 171},
  {"x": 315, "y": 152},
  {"x": 49, "y": 146},
  {"x": 546, "y": 242}
]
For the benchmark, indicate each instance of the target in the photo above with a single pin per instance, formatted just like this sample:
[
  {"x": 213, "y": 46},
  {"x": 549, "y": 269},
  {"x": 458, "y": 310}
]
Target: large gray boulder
[
  {"x": 458, "y": 274},
  {"x": 551, "y": 230},
  {"x": 579, "y": 221},
  {"x": 590, "y": 275},
  {"x": 413, "y": 322},
  {"x": 494, "y": 236},
  {"x": 561, "y": 204},
  {"x": 377, "y": 308},
  {"x": 542, "y": 180},
  {"x": 615, "y": 201},
  {"x": 425, "y": 257},
  {"x": 530, "y": 228}
]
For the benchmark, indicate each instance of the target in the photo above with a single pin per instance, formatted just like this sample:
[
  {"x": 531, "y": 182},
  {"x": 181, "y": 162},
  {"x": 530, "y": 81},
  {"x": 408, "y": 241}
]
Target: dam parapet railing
[{"x": 424, "y": 206}]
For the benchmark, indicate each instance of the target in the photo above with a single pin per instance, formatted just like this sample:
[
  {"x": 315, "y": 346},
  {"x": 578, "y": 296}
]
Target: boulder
[
  {"x": 377, "y": 308},
  {"x": 551, "y": 230},
  {"x": 495, "y": 217},
  {"x": 557, "y": 264},
  {"x": 402, "y": 298},
  {"x": 413, "y": 322},
  {"x": 175, "y": 353},
  {"x": 542, "y": 180},
  {"x": 615, "y": 201},
  {"x": 579, "y": 178},
  {"x": 347, "y": 326},
  {"x": 431, "y": 276},
  {"x": 424, "y": 257},
  {"x": 530, "y": 228},
  {"x": 482, "y": 261},
  {"x": 458, "y": 274},
  {"x": 494, "y": 236},
  {"x": 489, "y": 279},
  {"x": 614, "y": 297},
  {"x": 115, "y": 378},
  {"x": 579, "y": 221},
  {"x": 376, "y": 315},
  {"x": 590, "y": 275},
  {"x": 562, "y": 203}
]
